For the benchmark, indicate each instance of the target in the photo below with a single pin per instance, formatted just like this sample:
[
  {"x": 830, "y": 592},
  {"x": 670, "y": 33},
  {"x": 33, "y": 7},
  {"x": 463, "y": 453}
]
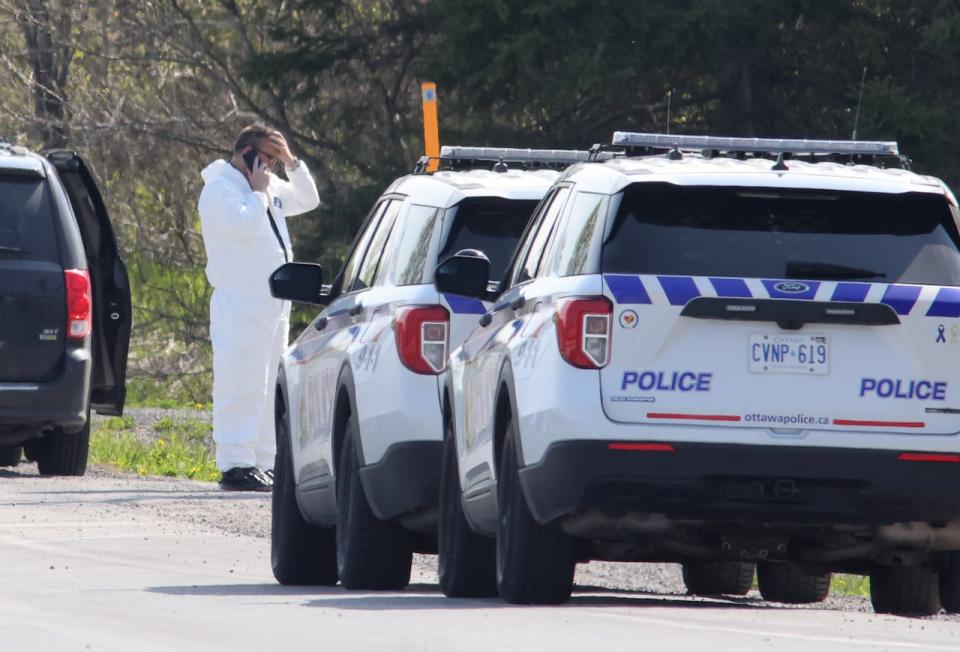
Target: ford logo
[{"x": 791, "y": 287}]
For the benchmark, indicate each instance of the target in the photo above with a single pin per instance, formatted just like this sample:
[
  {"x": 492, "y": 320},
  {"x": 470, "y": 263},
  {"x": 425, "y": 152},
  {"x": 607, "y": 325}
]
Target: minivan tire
[
  {"x": 718, "y": 577},
  {"x": 301, "y": 553},
  {"x": 535, "y": 562},
  {"x": 62, "y": 453},
  {"x": 904, "y": 591},
  {"x": 467, "y": 561},
  {"x": 10, "y": 455},
  {"x": 371, "y": 554},
  {"x": 787, "y": 582}
]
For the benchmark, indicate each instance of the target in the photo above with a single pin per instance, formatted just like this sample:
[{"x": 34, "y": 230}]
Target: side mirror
[
  {"x": 466, "y": 273},
  {"x": 299, "y": 282}
]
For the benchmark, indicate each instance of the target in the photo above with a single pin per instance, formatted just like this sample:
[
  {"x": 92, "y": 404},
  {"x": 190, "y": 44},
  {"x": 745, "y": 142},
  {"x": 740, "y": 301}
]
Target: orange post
[{"x": 431, "y": 130}]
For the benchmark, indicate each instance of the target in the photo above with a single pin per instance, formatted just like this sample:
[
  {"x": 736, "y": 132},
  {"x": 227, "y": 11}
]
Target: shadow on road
[{"x": 427, "y": 596}]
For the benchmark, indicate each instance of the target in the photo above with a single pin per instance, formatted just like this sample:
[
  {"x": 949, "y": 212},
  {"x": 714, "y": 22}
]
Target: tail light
[
  {"x": 79, "y": 303},
  {"x": 928, "y": 457},
  {"x": 583, "y": 331},
  {"x": 423, "y": 338}
]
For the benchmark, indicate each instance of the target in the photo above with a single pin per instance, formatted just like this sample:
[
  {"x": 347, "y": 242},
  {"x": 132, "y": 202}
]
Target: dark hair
[{"x": 251, "y": 135}]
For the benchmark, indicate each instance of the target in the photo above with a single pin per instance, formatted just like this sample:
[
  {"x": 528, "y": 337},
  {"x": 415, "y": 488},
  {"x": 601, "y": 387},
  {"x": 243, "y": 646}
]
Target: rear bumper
[
  {"x": 406, "y": 478},
  {"x": 723, "y": 483},
  {"x": 27, "y": 409}
]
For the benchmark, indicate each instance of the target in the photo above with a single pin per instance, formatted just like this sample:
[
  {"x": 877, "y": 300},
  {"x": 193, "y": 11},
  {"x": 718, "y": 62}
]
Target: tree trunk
[{"x": 49, "y": 52}]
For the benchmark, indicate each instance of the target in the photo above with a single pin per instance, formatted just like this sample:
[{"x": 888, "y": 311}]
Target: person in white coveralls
[{"x": 243, "y": 208}]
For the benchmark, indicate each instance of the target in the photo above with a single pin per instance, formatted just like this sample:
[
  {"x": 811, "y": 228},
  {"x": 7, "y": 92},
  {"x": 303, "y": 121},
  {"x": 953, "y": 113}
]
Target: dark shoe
[{"x": 245, "y": 479}]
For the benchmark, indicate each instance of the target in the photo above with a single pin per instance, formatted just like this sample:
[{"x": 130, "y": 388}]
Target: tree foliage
[{"x": 151, "y": 91}]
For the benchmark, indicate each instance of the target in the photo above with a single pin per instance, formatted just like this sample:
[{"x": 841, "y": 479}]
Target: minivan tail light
[
  {"x": 583, "y": 331},
  {"x": 79, "y": 303},
  {"x": 423, "y": 338}
]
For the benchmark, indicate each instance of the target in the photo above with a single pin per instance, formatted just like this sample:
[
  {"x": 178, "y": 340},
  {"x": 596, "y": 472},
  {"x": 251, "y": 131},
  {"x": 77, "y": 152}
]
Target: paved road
[{"x": 107, "y": 563}]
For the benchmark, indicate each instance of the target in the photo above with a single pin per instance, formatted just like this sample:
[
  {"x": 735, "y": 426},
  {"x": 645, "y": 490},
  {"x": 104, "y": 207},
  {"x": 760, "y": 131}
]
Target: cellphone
[{"x": 250, "y": 158}]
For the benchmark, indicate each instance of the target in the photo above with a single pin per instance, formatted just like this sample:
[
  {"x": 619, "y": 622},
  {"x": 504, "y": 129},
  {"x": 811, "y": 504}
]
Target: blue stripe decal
[
  {"x": 731, "y": 287},
  {"x": 807, "y": 294},
  {"x": 626, "y": 288},
  {"x": 679, "y": 289},
  {"x": 947, "y": 303},
  {"x": 464, "y": 305},
  {"x": 901, "y": 298},
  {"x": 852, "y": 292}
]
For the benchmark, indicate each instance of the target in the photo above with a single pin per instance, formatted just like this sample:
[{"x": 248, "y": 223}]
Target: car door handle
[
  {"x": 320, "y": 324},
  {"x": 513, "y": 304},
  {"x": 355, "y": 309}
]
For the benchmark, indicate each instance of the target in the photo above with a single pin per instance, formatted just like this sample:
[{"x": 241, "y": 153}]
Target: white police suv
[
  {"x": 721, "y": 352},
  {"x": 358, "y": 409}
]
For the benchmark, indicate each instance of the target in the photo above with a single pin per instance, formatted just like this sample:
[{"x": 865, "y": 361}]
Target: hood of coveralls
[{"x": 215, "y": 169}]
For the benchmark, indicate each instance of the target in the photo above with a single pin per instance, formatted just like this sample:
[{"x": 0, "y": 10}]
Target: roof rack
[
  {"x": 461, "y": 157},
  {"x": 766, "y": 145},
  {"x": 872, "y": 152}
]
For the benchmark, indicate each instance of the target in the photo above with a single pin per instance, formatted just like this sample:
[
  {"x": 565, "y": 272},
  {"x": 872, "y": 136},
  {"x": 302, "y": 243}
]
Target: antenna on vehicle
[
  {"x": 856, "y": 119},
  {"x": 669, "y": 94}
]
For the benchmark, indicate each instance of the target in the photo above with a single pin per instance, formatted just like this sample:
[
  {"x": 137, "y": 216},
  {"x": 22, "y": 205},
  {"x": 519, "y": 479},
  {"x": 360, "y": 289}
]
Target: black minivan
[{"x": 64, "y": 310}]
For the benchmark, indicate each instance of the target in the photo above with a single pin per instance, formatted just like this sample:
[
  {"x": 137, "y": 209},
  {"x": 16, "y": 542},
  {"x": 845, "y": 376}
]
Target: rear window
[
  {"x": 767, "y": 233},
  {"x": 490, "y": 224},
  {"x": 26, "y": 220}
]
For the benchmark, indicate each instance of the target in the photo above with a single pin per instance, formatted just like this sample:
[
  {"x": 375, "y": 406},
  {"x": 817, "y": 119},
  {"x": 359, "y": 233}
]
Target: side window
[
  {"x": 410, "y": 254},
  {"x": 356, "y": 256},
  {"x": 569, "y": 252},
  {"x": 378, "y": 242},
  {"x": 531, "y": 263}
]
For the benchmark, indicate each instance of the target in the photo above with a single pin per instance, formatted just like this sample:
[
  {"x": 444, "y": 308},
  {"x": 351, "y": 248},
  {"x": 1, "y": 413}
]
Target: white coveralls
[{"x": 248, "y": 327}]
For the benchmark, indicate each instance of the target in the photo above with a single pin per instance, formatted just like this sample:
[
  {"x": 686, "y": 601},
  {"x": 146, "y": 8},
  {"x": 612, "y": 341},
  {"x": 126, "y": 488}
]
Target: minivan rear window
[
  {"x": 26, "y": 220},
  {"x": 667, "y": 229},
  {"x": 491, "y": 224}
]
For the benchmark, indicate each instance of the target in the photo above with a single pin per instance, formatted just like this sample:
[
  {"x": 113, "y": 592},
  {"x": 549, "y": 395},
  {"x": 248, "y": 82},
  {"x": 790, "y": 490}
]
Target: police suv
[
  {"x": 358, "y": 410},
  {"x": 722, "y": 352}
]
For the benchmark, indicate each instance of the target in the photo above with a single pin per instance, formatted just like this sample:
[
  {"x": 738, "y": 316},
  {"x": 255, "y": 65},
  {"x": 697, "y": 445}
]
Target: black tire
[
  {"x": 61, "y": 453},
  {"x": 718, "y": 577},
  {"x": 788, "y": 583},
  {"x": 950, "y": 583},
  {"x": 10, "y": 455},
  {"x": 535, "y": 562},
  {"x": 301, "y": 553},
  {"x": 904, "y": 591},
  {"x": 467, "y": 561},
  {"x": 371, "y": 554}
]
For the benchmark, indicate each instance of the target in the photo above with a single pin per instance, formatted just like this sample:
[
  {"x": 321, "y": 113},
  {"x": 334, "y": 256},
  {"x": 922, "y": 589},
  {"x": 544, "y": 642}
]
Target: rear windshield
[
  {"x": 26, "y": 220},
  {"x": 490, "y": 224},
  {"x": 767, "y": 233}
]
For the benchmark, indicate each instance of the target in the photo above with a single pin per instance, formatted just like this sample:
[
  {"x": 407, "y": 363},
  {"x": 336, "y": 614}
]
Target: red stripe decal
[
  {"x": 633, "y": 446},
  {"x": 879, "y": 424},
  {"x": 693, "y": 417},
  {"x": 928, "y": 457}
]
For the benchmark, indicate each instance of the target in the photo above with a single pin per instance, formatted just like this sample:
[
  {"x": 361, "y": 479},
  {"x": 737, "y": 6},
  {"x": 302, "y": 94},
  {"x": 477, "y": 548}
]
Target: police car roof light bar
[
  {"x": 512, "y": 154},
  {"x": 767, "y": 145}
]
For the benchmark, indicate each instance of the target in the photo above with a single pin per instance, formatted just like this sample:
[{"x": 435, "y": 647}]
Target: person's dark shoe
[{"x": 245, "y": 479}]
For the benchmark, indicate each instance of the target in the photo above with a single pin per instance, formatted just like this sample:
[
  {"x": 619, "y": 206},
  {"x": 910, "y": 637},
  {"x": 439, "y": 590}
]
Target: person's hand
[
  {"x": 259, "y": 177},
  {"x": 276, "y": 146}
]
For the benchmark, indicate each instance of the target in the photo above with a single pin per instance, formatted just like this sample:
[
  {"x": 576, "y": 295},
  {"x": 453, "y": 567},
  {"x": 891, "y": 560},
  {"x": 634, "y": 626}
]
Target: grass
[
  {"x": 191, "y": 392},
  {"x": 178, "y": 448},
  {"x": 843, "y": 584}
]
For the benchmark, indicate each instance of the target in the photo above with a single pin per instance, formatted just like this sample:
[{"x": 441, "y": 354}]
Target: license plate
[{"x": 789, "y": 354}]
